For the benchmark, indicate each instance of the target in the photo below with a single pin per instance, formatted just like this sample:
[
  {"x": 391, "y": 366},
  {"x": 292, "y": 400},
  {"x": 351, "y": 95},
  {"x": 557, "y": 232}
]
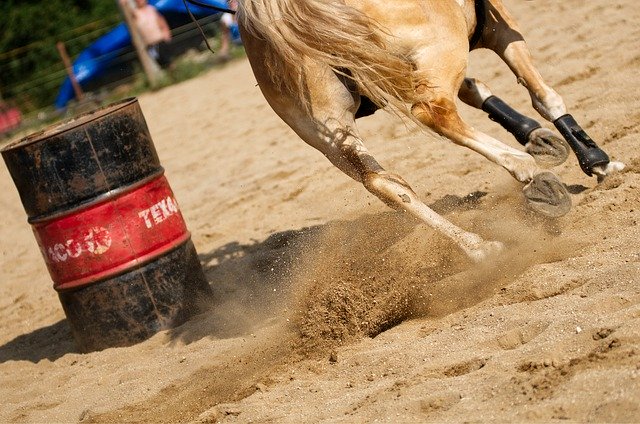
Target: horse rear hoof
[
  {"x": 486, "y": 250},
  {"x": 547, "y": 195},
  {"x": 546, "y": 148}
]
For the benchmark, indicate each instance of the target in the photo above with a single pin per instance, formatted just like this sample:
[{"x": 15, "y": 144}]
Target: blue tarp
[{"x": 93, "y": 61}]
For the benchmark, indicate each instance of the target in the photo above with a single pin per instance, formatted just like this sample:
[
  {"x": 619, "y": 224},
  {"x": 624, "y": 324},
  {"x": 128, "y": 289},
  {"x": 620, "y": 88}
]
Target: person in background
[
  {"x": 154, "y": 30},
  {"x": 228, "y": 24}
]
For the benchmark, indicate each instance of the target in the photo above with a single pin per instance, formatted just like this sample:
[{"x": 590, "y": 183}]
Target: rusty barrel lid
[{"x": 74, "y": 163}]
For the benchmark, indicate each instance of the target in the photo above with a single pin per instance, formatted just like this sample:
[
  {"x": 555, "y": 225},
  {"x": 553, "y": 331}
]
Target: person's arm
[
  {"x": 164, "y": 27},
  {"x": 225, "y": 38},
  {"x": 225, "y": 33}
]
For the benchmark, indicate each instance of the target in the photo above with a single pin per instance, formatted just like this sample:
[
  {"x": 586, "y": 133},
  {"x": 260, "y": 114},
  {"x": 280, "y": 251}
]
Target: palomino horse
[{"x": 322, "y": 63}]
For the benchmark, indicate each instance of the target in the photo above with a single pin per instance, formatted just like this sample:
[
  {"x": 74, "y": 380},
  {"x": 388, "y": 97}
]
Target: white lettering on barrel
[
  {"x": 74, "y": 249},
  {"x": 172, "y": 205},
  {"x": 60, "y": 252},
  {"x": 95, "y": 240},
  {"x": 159, "y": 212}
]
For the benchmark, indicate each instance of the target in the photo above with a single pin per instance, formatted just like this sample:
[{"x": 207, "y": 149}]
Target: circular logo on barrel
[
  {"x": 95, "y": 240},
  {"x": 98, "y": 240}
]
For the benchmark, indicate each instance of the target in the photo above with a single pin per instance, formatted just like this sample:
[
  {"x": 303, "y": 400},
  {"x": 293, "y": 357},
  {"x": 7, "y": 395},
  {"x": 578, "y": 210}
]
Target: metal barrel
[{"x": 108, "y": 226}]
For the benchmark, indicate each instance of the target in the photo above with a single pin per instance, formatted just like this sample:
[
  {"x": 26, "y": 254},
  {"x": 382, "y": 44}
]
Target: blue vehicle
[{"x": 97, "y": 59}]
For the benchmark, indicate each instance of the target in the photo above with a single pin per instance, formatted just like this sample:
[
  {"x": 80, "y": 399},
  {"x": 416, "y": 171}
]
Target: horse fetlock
[
  {"x": 383, "y": 178},
  {"x": 484, "y": 250},
  {"x": 522, "y": 166},
  {"x": 547, "y": 149},
  {"x": 392, "y": 189}
]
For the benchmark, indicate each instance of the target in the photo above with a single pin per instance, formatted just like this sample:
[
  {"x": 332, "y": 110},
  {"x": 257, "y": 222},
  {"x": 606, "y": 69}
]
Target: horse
[{"x": 321, "y": 64}]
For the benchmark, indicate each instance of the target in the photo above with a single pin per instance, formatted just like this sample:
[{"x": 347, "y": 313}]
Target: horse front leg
[
  {"x": 591, "y": 158},
  {"x": 501, "y": 34}
]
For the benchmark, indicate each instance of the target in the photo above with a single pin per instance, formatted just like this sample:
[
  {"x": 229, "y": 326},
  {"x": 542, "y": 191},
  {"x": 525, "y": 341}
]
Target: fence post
[
  {"x": 149, "y": 65},
  {"x": 62, "y": 50}
]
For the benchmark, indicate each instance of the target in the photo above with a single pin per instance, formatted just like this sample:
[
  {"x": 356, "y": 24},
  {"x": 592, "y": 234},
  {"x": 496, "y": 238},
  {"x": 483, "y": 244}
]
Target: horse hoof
[
  {"x": 546, "y": 148},
  {"x": 547, "y": 195}
]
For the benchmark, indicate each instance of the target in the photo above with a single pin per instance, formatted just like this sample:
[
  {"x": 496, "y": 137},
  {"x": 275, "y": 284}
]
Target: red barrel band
[{"x": 112, "y": 236}]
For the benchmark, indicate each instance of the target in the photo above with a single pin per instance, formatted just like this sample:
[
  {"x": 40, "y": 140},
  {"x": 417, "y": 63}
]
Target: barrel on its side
[{"x": 109, "y": 227}]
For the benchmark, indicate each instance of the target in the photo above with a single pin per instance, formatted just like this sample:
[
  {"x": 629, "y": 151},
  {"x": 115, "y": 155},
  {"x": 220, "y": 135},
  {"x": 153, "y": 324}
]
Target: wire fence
[{"x": 123, "y": 66}]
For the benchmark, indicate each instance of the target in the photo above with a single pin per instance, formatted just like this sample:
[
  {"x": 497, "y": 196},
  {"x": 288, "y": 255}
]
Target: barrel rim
[
  {"x": 96, "y": 200},
  {"x": 68, "y": 124}
]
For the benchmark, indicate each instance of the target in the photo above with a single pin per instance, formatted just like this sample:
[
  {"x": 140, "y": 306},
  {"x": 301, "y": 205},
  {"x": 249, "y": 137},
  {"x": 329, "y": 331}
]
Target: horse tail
[{"x": 329, "y": 32}]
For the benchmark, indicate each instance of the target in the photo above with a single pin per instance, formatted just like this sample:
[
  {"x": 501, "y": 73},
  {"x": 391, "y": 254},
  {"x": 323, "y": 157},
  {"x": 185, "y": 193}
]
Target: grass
[{"x": 188, "y": 65}]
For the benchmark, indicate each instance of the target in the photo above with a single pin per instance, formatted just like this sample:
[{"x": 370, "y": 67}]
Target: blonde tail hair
[{"x": 329, "y": 32}]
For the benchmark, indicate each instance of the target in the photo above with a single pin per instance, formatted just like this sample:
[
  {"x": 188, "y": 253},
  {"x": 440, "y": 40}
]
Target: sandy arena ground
[{"x": 331, "y": 308}]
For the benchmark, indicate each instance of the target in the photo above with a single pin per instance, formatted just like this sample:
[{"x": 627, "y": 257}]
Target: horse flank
[{"x": 331, "y": 33}]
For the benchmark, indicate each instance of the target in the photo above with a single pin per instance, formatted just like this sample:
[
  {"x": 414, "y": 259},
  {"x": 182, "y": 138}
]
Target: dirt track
[{"x": 331, "y": 308}]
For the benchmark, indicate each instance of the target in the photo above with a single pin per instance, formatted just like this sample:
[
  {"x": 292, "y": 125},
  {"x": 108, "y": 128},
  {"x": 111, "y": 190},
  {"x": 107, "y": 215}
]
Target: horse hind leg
[
  {"x": 502, "y": 35},
  {"x": 546, "y": 148}
]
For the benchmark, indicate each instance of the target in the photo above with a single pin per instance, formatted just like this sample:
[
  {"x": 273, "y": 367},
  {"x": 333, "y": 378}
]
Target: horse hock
[{"x": 108, "y": 226}]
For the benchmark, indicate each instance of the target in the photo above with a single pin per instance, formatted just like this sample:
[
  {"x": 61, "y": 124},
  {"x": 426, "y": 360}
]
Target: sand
[{"x": 328, "y": 306}]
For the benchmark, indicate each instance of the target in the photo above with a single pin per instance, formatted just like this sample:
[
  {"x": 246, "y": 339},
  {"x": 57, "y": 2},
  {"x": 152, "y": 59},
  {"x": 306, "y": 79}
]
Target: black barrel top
[{"x": 70, "y": 164}]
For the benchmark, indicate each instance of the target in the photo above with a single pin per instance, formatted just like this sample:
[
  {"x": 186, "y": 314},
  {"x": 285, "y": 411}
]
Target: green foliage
[{"x": 30, "y": 67}]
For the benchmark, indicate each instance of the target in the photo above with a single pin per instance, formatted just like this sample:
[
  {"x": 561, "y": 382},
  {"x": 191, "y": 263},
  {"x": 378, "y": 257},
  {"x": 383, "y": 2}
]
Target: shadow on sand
[{"x": 50, "y": 342}]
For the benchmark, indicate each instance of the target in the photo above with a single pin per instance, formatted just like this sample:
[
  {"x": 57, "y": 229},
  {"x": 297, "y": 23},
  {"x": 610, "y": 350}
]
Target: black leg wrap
[
  {"x": 517, "y": 124},
  {"x": 587, "y": 151}
]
